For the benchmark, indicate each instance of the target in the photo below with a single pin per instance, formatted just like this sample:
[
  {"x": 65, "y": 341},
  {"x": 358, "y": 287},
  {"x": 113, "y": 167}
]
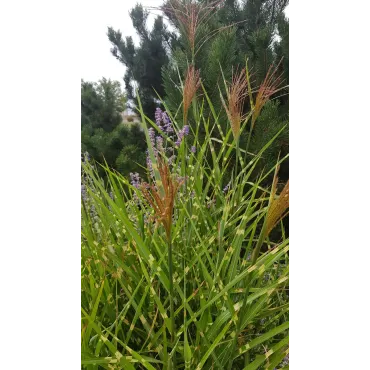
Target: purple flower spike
[
  {"x": 193, "y": 149},
  {"x": 159, "y": 141},
  {"x": 158, "y": 116},
  {"x": 83, "y": 193},
  {"x": 181, "y": 134},
  {"x": 169, "y": 128},
  {"x": 149, "y": 164},
  {"x": 152, "y": 136},
  {"x": 135, "y": 179},
  {"x": 166, "y": 120}
]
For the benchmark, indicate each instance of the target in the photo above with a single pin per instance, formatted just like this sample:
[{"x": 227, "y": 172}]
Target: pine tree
[
  {"x": 144, "y": 62},
  {"x": 103, "y": 135},
  {"x": 102, "y": 104}
]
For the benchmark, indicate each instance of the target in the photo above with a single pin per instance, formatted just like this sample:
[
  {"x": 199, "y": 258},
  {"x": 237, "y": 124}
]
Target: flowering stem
[
  {"x": 237, "y": 156},
  {"x": 248, "y": 143},
  {"x": 171, "y": 302},
  {"x": 236, "y": 162}
]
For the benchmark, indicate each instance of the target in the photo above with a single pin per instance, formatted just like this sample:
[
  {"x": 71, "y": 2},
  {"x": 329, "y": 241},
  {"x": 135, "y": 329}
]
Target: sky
[{"x": 96, "y": 58}]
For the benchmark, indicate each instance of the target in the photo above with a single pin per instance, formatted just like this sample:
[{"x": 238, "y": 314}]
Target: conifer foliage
[
  {"x": 103, "y": 135},
  {"x": 145, "y": 61}
]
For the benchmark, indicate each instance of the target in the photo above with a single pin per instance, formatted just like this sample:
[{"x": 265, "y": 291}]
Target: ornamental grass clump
[{"x": 180, "y": 269}]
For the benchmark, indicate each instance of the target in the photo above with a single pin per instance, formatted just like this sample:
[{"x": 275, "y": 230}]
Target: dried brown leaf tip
[
  {"x": 190, "y": 14},
  {"x": 270, "y": 85},
  {"x": 162, "y": 205},
  {"x": 236, "y": 94},
  {"x": 192, "y": 83},
  {"x": 277, "y": 208}
]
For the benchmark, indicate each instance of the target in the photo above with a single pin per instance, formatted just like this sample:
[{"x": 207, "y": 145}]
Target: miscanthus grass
[{"x": 180, "y": 269}]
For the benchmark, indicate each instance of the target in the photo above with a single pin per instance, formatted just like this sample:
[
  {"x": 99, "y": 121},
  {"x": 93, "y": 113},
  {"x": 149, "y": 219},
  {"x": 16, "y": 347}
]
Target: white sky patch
[{"x": 96, "y": 60}]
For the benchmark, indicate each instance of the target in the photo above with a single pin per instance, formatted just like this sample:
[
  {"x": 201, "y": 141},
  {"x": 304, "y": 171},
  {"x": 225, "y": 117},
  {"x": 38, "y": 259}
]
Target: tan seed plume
[
  {"x": 277, "y": 208},
  {"x": 163, "y": 205},
  {"x": 236, "y": 94},
  {"x": 270, "y": 85},
  {"x": 191, "y": 85},
  {"x": 190, "y": 14}
]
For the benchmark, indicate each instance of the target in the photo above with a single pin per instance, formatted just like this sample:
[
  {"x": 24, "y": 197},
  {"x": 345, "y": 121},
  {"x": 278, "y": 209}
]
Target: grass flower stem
[
  {"x": 172, "y": 315},
  {"x": 237, "y": 156},
  {"x": 248, "y": 143}
]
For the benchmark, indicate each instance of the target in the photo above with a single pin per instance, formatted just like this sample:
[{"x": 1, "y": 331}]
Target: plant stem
[
  {"x": 237, "y": 157},
  {"x": 171, "y": 300},
  {"x": 236, "y": 170},
  {"x": 248, "y": 143}
]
